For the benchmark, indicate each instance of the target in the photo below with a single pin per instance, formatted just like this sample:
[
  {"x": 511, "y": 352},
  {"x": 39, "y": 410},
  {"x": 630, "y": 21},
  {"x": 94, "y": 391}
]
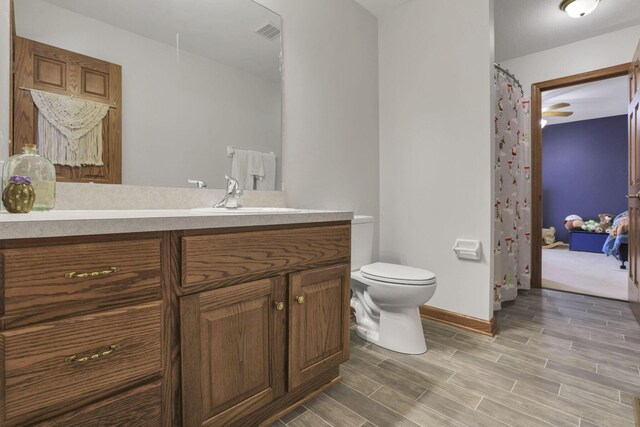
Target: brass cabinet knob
[
  {"x": 279, "y": 305},
  {"x": 300, "y": 300}
]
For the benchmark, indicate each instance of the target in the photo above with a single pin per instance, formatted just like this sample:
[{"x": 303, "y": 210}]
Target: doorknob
[
  {"x": 279, "y": 305},
  {"x": 634, "y": 196},
  {"x": 300, "y": 300}
]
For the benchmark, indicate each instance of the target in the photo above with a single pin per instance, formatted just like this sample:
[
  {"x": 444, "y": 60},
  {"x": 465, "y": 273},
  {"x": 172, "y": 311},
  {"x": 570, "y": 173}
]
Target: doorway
[{"x": 579, "y": 265}]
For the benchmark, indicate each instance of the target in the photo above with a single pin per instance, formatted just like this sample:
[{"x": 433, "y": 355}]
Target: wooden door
[
  {"x": 634, "y": 183},
  {"x": 51, "y": 69},
  {"x": 233, "y": 351},
  {"x": 318, "y": 322}
]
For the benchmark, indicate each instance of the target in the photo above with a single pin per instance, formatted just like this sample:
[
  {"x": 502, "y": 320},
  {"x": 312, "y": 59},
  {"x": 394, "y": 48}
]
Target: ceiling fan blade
[
  {"x": 556, "y": 106},
  {"x": 557, "y": 113}
]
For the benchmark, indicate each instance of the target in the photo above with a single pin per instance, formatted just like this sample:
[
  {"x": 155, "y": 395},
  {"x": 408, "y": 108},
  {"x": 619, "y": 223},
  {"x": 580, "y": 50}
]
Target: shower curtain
[{"x": 512, "y": 177}]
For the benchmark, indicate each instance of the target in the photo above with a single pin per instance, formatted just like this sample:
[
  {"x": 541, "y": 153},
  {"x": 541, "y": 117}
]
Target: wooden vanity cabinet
[
  {"x": 195, "y": 328},
  {"x": 259, "y": 347}
]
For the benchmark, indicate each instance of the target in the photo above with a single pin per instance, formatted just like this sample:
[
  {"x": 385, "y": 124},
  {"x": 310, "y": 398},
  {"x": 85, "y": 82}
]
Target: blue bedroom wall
[{"x": 584, "y": 170}]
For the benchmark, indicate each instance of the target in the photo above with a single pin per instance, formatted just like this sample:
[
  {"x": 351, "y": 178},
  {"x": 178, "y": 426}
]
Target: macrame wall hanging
[{"x": 69, "y": 130}]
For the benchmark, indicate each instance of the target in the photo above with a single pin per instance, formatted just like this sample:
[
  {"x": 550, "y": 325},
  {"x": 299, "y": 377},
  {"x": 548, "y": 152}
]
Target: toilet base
[
  {"x": 400, "y": 331},
  {"x": 388, "y": 315}
]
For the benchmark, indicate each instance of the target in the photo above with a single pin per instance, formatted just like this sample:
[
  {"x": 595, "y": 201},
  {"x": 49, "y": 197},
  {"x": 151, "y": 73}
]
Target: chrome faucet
[
  {"x": 199, "y": 184},
  {"x": 232, "y": 197}
]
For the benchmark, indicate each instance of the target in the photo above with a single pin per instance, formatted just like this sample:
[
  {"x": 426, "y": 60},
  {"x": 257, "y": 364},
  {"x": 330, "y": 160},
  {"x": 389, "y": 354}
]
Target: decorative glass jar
[{"x": 40, "y": 171}]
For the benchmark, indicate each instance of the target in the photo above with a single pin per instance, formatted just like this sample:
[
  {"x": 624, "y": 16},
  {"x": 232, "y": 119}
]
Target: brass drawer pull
[
  {"x": 95, "y": 356},
  {"x": 279, "y": 305},
  {"x": 300, "y": 300},
  {"x": 74, "y": 275}
]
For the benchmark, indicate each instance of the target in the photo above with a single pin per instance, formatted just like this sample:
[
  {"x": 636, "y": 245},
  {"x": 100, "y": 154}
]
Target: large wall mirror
[{"x": 150, "y": 92}]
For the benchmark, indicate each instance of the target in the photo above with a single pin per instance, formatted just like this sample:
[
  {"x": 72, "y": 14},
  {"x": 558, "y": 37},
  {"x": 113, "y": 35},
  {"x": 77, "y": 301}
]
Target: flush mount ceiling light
[{"x": 578, "y": 8}]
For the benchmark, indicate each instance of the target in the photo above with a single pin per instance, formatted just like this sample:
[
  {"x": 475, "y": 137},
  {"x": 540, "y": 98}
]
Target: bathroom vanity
[
  {"x": 169, "y": 318},
  {"x": 161, "y": 317}
]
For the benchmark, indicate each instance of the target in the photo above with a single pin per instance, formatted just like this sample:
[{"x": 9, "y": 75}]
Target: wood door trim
[
  {"x": 633, "y": 124},
  {"x": 536, "y": 153}
]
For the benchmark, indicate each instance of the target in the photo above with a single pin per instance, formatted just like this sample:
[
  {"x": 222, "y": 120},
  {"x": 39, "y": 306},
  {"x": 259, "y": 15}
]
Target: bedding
[{"x": 619, "y": 235}]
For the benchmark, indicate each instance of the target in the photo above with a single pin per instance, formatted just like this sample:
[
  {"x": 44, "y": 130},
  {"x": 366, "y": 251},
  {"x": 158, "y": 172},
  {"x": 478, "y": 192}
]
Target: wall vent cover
[{"x": 269, "y": 31}]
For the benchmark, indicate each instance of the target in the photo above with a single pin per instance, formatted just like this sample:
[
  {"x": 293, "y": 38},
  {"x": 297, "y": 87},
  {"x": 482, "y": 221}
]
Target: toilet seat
[{"x": 397, "y": 274}]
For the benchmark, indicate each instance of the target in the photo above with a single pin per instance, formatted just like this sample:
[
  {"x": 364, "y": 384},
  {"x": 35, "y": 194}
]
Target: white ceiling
[
  {"x": 527, "y": 26},
  {"x": 604, "y": 98},
  {"x": 222, "y": 30},
  {"x": 377, "y": 7}
]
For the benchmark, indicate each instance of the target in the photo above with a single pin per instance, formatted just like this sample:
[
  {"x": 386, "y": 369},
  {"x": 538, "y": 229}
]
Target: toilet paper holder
[{"x": 468, "y": 249}]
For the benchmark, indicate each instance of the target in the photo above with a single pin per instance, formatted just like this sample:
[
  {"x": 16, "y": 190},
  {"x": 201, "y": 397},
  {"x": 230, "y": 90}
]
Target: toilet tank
[{"x": 361, "y": 241}]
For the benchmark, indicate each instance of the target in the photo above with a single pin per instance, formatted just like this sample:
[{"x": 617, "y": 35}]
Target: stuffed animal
[
  {"x": 549, "y": 235},
  {"x": 606, "y": 223},
  {"x": 590, "y": 225},
  {"x": 573, "y": 222}
]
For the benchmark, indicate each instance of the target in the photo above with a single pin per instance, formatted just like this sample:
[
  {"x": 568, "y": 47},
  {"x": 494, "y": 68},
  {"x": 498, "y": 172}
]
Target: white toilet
[{"x": 386, "y": 297}]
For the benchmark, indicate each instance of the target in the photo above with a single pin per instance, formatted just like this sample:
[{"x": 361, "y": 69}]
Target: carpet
[{"x": 584, "y": 273}]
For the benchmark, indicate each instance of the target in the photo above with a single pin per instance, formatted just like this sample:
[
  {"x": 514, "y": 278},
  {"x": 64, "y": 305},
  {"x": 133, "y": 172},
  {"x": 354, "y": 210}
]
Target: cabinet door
[
  {"x": 318, "y": 322},
  {"x": 233, "y": 342}
]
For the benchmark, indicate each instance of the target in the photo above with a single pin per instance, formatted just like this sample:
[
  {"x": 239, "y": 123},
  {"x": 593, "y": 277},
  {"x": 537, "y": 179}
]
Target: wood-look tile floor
[{"x": 559, "y": 359}]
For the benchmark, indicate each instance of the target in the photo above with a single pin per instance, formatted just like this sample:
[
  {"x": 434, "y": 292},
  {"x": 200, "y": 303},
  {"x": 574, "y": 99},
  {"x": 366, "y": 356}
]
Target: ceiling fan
[{"x": 550, "y": 110}]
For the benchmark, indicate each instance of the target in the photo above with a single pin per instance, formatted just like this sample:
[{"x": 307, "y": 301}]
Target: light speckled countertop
[{"x": 58, "y": 223}]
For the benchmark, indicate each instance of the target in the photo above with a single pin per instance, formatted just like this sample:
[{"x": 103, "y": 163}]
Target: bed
[{"x": 617, "y": 243}]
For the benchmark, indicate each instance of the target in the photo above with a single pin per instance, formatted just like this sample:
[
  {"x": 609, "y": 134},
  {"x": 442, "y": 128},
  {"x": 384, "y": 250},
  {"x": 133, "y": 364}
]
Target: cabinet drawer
[
  {"x": 45, "y": 282},
  {"x": 236, "y": 257},
  {"x": 58, "y": 366},
  {"x": 140, "y": 407}
]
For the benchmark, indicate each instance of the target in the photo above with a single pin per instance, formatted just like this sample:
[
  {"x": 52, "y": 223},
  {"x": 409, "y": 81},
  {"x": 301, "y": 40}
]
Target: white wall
[
  {"x": 586, "y": 55},
  {"x": 178, "y": 118},
  {"x": 331, "y": 104},
  {"x": 435, "y": 144},
  {"x": 5, "y": 37},
  {"x": 330, "y": 133}
]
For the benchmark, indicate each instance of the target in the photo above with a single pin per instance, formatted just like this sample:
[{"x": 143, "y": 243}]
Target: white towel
[
  {"x": 246, "y": 167},
  {"x": 268, "y": 181},
  {"x": 256, "y": 167}
]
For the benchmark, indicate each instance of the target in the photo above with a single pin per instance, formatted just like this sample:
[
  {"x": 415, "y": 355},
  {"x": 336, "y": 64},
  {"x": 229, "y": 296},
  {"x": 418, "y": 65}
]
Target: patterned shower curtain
[{"x": 512, "y": 176}]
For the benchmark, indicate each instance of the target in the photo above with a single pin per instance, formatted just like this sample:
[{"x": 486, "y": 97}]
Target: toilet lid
[{"x": 400, "y": 274}]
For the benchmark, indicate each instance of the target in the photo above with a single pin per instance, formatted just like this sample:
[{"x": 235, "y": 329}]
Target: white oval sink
[{"x": 247, "y": 210}]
